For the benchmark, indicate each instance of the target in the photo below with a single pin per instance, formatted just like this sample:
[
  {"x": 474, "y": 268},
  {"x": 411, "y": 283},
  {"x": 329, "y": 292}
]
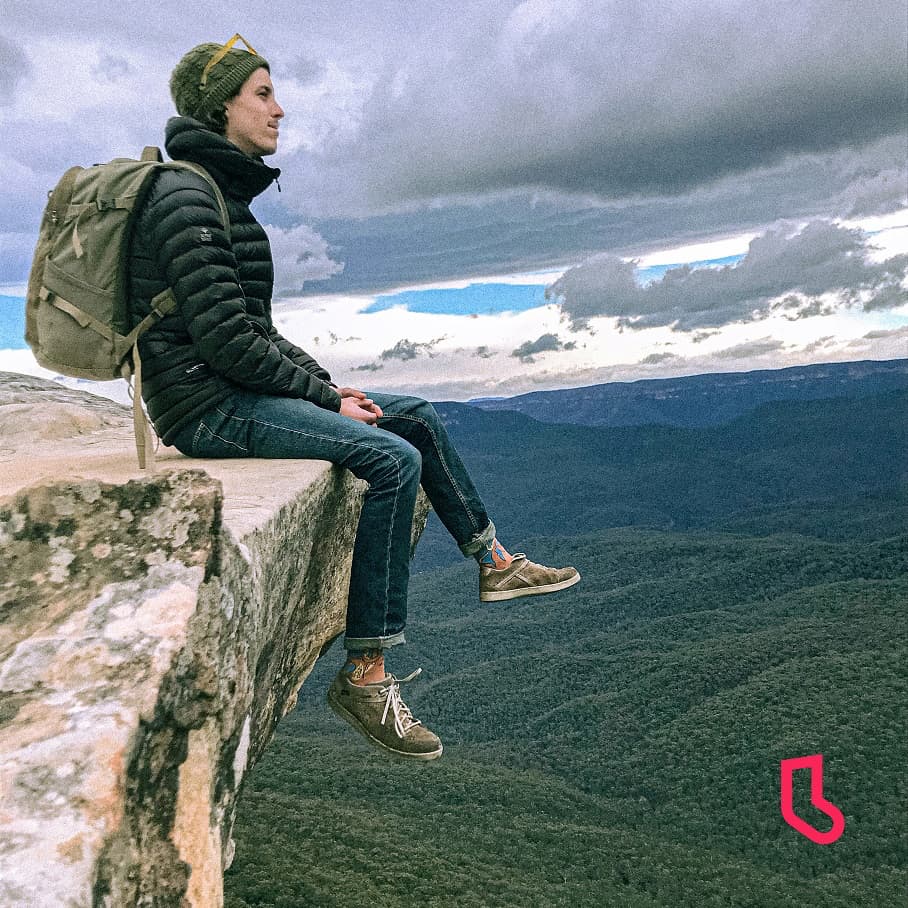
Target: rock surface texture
[{"x": 153, "y": 630}]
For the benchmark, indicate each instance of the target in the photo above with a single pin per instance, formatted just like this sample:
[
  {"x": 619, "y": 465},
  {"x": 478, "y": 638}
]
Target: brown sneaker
[
  {"x": 523, "y": 578},
  {"x": 377, "y": 711}
]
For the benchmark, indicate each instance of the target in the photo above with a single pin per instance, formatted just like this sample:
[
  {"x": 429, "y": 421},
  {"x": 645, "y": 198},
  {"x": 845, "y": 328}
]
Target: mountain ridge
[{"x": 706, "y": 399}]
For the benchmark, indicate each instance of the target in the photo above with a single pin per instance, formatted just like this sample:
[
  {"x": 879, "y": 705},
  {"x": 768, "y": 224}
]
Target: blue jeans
[{"x": 410, "y": 446}]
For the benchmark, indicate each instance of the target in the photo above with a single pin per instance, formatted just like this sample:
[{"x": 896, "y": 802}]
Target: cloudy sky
[{"x": 490, "y": 197}]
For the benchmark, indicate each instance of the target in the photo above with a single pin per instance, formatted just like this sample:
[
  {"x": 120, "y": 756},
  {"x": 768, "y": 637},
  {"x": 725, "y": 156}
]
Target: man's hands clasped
[{"x": 356, "y": 405}]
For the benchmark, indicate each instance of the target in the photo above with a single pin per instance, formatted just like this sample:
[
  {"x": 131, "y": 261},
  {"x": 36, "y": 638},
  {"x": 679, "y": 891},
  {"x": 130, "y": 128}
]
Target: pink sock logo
[{"x": 815, "y": 765}]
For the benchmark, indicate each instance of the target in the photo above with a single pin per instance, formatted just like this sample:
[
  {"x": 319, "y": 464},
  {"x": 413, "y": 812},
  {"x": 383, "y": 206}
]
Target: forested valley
[{"x": 619, "y": 743}]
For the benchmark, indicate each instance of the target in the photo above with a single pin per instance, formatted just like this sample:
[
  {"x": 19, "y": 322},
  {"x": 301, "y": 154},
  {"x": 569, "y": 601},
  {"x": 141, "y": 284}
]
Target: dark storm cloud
[
  {"x": 876, "y": 193},
  {"x": 406, "y": 349},
  {"x": 893, "y": 293},
  {"x": 821, "y": 343},
  {"x": 655, "y": 359},
  {"x": 792, "y": 269},
  {"x": 564, "y": 128},
  {"x": 525, "y": 234},
  {"x": 110, "y": 68},
  {"x": 751, "y": 348},
  {"x": 892, "y": 332},
  {"x": 306, "y": 70},
  {"x": 14, "y": 67},
  {"x": 615, "y": 100},
  {"x": 16, "y": 251},
  {"x": 545, "y": 343},
  {"x": 793, "y": 308}
]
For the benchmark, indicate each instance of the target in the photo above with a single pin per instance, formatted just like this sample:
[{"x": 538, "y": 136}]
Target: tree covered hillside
[
  {"x": 535, "y": 478},
  {"x": 618, "y": 743}
]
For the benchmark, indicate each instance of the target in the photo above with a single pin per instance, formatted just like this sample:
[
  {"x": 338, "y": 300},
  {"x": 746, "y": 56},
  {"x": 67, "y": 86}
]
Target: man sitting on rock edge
[{"x": 219, "y": 380}]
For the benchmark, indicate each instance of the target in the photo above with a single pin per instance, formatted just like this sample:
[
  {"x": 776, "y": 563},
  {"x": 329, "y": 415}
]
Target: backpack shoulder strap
[
  {"x": 141, "y": 429},
  {"x": 205, "y": 175},
  {"x": 162, "y": 304}
]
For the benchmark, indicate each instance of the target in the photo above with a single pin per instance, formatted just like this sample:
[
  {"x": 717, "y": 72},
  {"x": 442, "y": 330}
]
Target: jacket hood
[{"x": 235, "y": 172}]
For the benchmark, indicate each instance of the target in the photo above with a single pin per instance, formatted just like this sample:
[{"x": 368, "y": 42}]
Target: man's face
[{"x": 253, "y": 116}]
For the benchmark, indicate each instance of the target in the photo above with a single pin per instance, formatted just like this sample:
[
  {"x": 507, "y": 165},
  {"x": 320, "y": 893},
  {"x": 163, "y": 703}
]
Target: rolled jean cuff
[
  {"x": 482, "y": 542},
  {"x": 374, "y": 642}
]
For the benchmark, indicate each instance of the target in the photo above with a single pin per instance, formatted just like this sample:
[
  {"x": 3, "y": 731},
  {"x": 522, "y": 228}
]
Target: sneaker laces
[{"x": 403, "y": 718}]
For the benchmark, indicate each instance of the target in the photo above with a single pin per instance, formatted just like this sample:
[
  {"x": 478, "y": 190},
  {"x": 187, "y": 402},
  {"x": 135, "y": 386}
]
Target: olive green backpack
[{"x": 76, "y": 308}]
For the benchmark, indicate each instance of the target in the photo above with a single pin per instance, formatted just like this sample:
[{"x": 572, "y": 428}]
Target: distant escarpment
[{"x": 703, "y": 400}]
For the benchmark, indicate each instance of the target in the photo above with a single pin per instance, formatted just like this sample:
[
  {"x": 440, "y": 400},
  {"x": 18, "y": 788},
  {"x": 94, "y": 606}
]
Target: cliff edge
[{"x": 153, "y": 630}]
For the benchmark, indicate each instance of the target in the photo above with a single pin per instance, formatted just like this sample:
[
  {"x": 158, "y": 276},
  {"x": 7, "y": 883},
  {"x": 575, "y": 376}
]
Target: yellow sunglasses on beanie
[{"x": 210, "y": 74}]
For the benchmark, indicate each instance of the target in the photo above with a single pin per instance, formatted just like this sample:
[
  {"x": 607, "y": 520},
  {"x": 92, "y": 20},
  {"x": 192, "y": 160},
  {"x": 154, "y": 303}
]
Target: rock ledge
[{"x": 153, "y": 630}]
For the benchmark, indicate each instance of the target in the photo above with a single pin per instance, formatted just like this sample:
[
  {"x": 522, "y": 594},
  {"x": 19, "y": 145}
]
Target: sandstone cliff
[{"x": 153, "y": 630}]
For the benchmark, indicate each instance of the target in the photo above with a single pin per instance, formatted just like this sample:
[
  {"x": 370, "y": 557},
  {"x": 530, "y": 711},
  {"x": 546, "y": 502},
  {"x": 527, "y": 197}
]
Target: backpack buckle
[{"x": 105, "y": 204}]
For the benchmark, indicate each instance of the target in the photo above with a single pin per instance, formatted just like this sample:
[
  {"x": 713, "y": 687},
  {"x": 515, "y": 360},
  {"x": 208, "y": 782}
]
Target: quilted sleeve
[{"x": 298, "y": 355}]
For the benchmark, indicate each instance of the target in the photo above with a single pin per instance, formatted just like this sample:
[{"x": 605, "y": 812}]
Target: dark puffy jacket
[{"x": 220, "y": 337}]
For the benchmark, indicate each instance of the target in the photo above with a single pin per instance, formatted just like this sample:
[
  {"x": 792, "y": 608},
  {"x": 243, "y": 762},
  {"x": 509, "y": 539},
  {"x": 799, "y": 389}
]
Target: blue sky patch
[
  {"x": 476, "y": 299},
  {"x": 494, "y": 298},
  {"x": 12, "y": 323}
]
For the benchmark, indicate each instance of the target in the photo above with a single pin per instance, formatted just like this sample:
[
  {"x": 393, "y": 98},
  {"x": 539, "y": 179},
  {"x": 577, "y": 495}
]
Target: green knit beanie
[{"x": 211, "y": 74}]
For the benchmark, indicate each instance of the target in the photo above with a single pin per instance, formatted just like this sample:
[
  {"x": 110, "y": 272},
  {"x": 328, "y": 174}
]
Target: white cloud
[
  {"x": 458, "y": 357},
  {"x": 300, "y": 255},
  {"x": 722, "y": 247}
]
